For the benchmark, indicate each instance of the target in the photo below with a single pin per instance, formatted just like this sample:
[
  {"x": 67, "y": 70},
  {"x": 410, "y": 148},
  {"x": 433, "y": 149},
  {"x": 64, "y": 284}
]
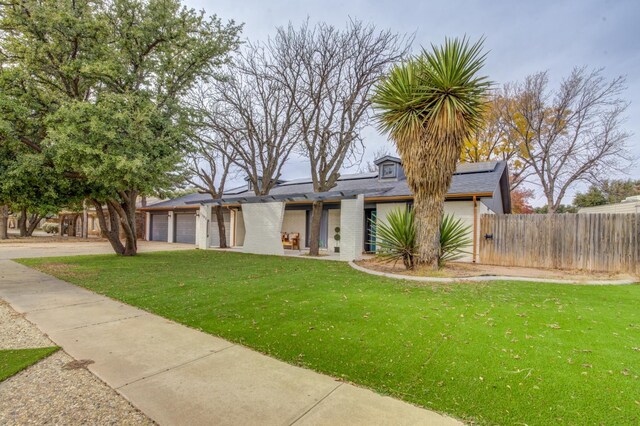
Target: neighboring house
[
  {"x": 256, "y": 223},
  {"x": 70, "y": 222},
  {"x": 629, "y": 205}
]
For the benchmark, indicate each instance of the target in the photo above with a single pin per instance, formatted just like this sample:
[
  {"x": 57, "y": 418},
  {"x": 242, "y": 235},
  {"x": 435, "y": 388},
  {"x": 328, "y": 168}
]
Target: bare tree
[
  {"x": 329, "y": 73},
  {"x": 370, "y": 166},
  {"x": 256, "y": 116},
  {"x": 571, "y": 135},
  {"x": 210, "y": 163}
]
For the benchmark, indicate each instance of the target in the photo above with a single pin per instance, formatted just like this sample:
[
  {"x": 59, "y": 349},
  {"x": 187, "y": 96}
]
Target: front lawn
[
  {"x": 12, "y": 361},
  {"x": 494, "y": 353}
]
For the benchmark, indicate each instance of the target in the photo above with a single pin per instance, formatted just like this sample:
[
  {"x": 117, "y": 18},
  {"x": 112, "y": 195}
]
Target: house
[
  {"x": 71, "y": 222},
  {"x": 628, "y": 205},
  {"x": 256, "y": 224}
]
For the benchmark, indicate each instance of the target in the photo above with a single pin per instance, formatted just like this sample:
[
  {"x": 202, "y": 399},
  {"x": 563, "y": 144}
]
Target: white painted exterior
[
  {"x": 238, "y": 227},
  {"x": 203, "y": 217},
  {"x": 147, "y": 226},
  {"x": 352, "y": 228},
  {"x": 333, "y": 221},
  {"x": 171, "y": 228},
  {"x": 460, "y": 209},
  {"x": 263, "y": 222}
]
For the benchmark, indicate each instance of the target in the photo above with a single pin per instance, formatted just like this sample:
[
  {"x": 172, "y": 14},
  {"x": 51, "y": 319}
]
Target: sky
[{"x": 522, "y": 37}]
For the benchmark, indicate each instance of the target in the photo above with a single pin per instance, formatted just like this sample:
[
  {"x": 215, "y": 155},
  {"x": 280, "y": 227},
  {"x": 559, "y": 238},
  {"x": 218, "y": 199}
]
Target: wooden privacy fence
[{"x": 591, "y": 242}]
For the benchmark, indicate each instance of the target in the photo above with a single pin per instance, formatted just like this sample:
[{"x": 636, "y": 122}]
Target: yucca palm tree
[{"x": 429, "y": 104}]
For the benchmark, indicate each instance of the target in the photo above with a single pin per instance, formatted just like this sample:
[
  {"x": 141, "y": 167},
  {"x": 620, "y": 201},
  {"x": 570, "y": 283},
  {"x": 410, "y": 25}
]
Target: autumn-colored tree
[
  {"x": 520, "y": 200},
  {"x": 496, "y": 140}
]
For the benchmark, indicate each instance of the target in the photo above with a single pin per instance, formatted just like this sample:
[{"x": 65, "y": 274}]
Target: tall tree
[
  {"x": 210, "y": 163},
  {"x": 255, "y": 116},
  {"x": 429, "y": 105},
  {"x": 115, "y": 71},
  {"x": 570, "y": 135},
  {"x": 520, "y": 200},
  {"x": 328, "y": 73}
]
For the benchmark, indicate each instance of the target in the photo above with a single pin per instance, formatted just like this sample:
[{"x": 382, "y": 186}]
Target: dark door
[
  {"x": 370, "y": 230},
  {"x": 324, "y": 229}
]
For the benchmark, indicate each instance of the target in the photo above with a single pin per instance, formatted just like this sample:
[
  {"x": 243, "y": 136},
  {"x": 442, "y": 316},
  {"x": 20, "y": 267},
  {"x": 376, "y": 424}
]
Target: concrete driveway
[{"x": 37, "y": 248}]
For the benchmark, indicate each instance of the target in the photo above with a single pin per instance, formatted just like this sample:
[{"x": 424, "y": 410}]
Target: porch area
[{"x": 283, "y": 228}]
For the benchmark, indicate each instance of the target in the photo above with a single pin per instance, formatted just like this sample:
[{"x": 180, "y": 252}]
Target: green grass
[
  {"x": 13, "y": 361},
  {"x": 493, "y": 353}
]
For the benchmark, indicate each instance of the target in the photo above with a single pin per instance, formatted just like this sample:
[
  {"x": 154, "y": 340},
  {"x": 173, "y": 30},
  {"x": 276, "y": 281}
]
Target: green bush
[
  {"x": 50, "y": 228},
  {"x": 396, "y": 238}
]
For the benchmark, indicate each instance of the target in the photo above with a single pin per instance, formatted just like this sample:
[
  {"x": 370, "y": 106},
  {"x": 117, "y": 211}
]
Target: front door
[{"x": 370, "y": 230}]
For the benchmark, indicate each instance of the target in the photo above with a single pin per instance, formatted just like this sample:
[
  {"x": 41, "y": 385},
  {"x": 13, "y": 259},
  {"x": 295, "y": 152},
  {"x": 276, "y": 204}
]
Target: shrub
[
  {"x": 50, "y": 228},
  {"x": 396, "y": 237},
  {"x": 454, "y": 236}
]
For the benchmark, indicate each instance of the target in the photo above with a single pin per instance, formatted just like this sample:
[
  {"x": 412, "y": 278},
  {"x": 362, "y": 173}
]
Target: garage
[
  {"x": 185, "y": 228},
  {"x": 159, "y": 227}
]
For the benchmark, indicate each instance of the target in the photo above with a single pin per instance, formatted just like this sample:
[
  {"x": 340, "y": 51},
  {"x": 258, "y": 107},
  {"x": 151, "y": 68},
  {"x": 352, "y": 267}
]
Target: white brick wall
[
  {"x": 263, "y": 222},
  {"x": 202, "y": 227},
  {"x": 352, "y": 228}
]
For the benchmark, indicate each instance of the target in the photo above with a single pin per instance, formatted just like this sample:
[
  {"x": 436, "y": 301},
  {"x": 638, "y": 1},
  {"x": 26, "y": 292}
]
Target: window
[{"x": 388, "y": 171}]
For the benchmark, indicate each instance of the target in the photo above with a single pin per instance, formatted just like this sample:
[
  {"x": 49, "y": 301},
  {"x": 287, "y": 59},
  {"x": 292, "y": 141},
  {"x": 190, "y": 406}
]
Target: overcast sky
[{"x": 522, "y": 38}]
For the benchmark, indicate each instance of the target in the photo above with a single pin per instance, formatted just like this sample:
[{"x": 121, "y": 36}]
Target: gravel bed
[{"x": 50, "y": 392}]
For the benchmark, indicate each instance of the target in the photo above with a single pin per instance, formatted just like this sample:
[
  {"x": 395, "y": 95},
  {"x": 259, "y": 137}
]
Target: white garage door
[
  {"x": 159, "y": 227},
  {"x": 213, "y": 228},
  {"x": 185, "y": 228}
]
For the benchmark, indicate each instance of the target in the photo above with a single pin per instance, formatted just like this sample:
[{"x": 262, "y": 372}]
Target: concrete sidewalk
[{"x": 178, "y": 375}]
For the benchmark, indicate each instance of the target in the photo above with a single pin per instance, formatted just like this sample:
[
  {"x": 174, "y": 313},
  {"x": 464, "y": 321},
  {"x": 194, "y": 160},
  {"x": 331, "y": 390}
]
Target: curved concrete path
[
  {"x": 178, "y": 375},
  {"x": 488, "y": 278}
]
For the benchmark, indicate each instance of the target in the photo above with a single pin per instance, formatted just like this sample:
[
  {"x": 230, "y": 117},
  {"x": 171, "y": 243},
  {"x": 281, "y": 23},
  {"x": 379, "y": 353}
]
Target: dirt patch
[
  {"x": 462, "y": 269},
  {"x": 69, "y": 270},
  {"x": 77, "y": 364}
]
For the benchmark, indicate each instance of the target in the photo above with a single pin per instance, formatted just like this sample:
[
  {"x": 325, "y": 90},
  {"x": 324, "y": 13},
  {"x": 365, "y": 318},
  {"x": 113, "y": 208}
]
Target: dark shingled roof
[{"x": 469, "y": 178}]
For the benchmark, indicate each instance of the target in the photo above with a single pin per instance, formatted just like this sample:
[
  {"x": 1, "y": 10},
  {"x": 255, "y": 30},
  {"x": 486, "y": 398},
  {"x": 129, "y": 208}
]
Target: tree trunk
[
  {"x": 316, "y": 221},
  {"x": 4, "y": 222},
  {"x": 85, "y": 220},
  {"x": 221, "y": 229},
  {"x": 34, "y": 220},
  {"x": 126, "y": 212},
  {"x": 71, "y": 228},
  {"x": 110, "y": 231},
  {"x": 428, "y": 216},
  {"x": 22, "y": 222}
]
